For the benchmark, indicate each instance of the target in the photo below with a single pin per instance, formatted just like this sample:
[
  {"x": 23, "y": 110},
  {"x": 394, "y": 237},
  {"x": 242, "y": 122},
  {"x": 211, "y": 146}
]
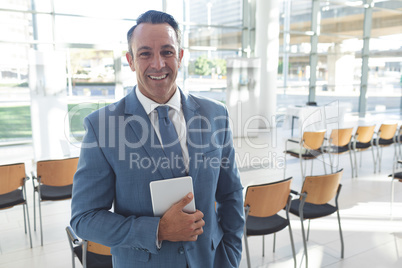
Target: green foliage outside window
[{"x": 205, "y": 66}]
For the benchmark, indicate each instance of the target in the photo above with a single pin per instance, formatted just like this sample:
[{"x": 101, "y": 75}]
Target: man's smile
[{"x": 157, "y": 77}]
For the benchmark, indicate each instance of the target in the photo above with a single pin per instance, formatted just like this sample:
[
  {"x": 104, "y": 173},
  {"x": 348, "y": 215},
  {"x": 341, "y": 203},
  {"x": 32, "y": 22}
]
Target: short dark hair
[{"x": 154, "y": 17}]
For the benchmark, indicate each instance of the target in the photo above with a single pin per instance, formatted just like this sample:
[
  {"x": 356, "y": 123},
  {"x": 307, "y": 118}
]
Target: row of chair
[
  {"x": 314, "y": 144},
  {"x": 264, "y": 202},
  {"x": 52, "y": 181}
]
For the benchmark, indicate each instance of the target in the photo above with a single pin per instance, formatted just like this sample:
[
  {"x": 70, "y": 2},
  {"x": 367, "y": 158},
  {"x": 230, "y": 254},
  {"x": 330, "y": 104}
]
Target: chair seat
[
  {"x": 94, "y": 260},
  {"x": 363, "y": 145},
  {"x": 397, "y": 175},
  {"x": 56, "y": 192},
  {"x": 337, "y": 149},
  {"x": 306, "y": 154},
  {"x": 265, "y": 225},
  {"x": 11, "y": 199},
  {"x": 383, "y": 141},
  {"x": 312, "y": 211}
]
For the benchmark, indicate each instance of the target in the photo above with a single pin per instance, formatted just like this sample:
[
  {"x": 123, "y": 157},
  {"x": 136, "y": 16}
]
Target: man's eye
[
  {"x": 145, "y": 54},
  {"x": 167, "y": 53}
]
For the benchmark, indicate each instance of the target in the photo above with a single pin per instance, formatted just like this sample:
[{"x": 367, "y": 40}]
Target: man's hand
[{"x": 176, "y": 225}]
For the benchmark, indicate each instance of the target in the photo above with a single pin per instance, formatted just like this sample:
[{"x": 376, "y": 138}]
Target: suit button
[{"x": 181, "y": 250}]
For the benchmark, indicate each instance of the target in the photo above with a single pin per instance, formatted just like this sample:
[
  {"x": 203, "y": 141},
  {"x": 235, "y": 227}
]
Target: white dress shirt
[{"x": 175, "y": 115}]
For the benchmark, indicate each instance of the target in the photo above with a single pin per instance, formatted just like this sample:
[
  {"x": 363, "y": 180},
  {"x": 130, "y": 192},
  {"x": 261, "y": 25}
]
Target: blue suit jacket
[{"x": 120, "y": 156}]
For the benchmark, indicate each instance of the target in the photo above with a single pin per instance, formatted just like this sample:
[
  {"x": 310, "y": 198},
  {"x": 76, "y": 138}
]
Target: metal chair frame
[
  {"x": 304, "y": 149},
  {"x": 340, "y": 138},
  {"x": 87, "y": 246},
  {"x": 62, "y": 169},
  {"x": 14, "y": 172},
  {"x": 364, "y": 134},
  {"x": 271, "y": 211},
  {"x": 305, "y": 197},
  {"x": 386, "y": 132}
]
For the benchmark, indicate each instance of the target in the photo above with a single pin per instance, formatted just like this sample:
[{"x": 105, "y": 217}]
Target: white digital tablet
[{"x": 165, "y": 193}]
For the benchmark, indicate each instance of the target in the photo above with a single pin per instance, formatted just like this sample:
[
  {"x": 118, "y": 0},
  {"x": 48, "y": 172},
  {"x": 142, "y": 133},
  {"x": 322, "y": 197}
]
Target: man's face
[{"x": 156, "y": 60}]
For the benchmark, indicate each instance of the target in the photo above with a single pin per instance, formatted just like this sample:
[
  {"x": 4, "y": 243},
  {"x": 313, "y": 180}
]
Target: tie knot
[{"x": 162, "y": 111}]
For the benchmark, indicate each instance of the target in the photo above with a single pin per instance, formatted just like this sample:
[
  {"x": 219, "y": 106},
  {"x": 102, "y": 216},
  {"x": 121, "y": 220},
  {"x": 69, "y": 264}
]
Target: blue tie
[{"x": 170, "y": 141}]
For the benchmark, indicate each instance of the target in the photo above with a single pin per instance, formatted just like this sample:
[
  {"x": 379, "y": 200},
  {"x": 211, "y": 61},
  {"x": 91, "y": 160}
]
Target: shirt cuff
[{"x": 158, "y": 243}]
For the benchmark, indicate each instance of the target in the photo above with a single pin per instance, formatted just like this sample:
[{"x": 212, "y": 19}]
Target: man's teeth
[{"x": 158, "y": 77}]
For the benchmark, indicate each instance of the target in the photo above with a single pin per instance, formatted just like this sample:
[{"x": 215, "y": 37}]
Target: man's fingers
[
  {"x": 198, "y": 215},
  {"x": 184, "y": 201},
  {"x": 199, "y": 223}
]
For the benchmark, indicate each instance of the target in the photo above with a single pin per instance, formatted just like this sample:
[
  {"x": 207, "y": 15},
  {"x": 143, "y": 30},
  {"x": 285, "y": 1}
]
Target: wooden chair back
[
  {"x": 267, "y": 199},
  {"x": 98, "y": 248},
  {"x": 313, "y": 140},
  {"x": 57, "y": 172},
  {"x": 321, "y": 189},
  {"x": 387, "y": 131},
  {"x": 11, "y": 177},
  {"x": 365, "y": 134},
  {"x": 341, "y": 137}
]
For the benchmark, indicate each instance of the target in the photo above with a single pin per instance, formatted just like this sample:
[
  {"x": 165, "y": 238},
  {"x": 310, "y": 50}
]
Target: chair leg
[
  {"x": 379, "y": 159},
  {"x": 340, "y": 233},
  {"x": 34, "y": 207},
  {"x": 84, "y": 254},
  {"x": 301, "y": 216},
  {"x": 356, "y": 166},
  {"x": 25, "y": 218},
  {"x": 392, "y": 193},
  {"x": 246, "y": 244},
  {"x": 73, "y": 259},
  {"x": 304, "y": 240},
  {"x": 40, "y": 222},
  {"x": 29, "y": 226},
  {"x": 323, "y": 162},
  {"x": 374, "y": 160},
  {"x": 247, "y": 250},
  {"x": 274, "y": 243},
  {"x": 351, "y": 164},
  {"x": 293, "y": 245},
  {"x": 308, "y": 230},
  {"x": 27, "y": 215},
  {"x": 263, "y": 245}
]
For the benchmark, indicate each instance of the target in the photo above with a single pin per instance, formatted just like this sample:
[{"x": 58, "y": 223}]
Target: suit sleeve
[
  {"x": 92, "y": 200},
  {"x": 229, "y": 197}
]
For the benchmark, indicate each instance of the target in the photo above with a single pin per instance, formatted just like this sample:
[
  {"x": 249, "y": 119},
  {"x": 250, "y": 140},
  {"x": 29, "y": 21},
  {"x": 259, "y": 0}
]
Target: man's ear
[
  {"x": 181, "y": 53},
  {"x": 130, "y": 61}
]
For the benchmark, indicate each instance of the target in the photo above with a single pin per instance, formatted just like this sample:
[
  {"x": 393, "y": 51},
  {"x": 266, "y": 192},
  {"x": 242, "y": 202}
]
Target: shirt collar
[{"x": 150, "y": 105}]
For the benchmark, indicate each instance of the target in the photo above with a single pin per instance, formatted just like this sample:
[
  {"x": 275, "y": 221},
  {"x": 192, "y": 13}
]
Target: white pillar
[
  {"x": 267, "y": 49},
  {"x": 340, "y": 69},
  {"x": 49, "y": 112}
]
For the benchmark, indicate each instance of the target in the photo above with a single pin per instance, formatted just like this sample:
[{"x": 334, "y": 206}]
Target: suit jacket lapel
[
  {"x": 143, "y": 129},
  {"x": 194, "y": 135}
]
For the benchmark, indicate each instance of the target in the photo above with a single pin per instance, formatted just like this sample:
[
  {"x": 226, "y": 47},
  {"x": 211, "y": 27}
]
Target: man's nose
[{"x": 158, "y": 62}]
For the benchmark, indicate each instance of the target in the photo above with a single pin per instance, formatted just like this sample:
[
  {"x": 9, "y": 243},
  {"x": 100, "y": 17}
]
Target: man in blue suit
[{"x": 124, "y": 150}]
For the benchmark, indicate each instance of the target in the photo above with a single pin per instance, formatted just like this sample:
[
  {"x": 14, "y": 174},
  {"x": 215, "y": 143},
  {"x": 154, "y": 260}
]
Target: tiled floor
[{"x": 373, "y": 237}]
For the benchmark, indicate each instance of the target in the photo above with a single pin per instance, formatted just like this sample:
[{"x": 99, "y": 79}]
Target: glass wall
[
  {"x": 385, "y": 62},
  {"x": 92, "y": 35},
  {"x": 339, "y": 50}
]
